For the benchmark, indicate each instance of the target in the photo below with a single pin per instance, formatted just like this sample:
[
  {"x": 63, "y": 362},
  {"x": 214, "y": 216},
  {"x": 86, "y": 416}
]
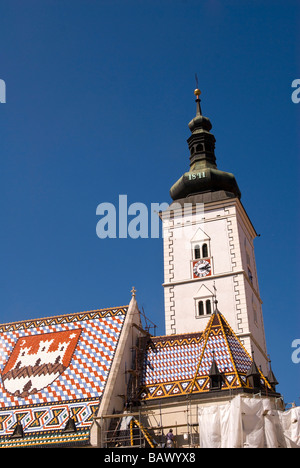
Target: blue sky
[{"x": 99, "y": 95}]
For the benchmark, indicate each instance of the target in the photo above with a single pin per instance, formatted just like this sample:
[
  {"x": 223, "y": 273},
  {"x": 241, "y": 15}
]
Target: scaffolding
[
  {"x": 147, "y": 427},
  {"x": 136, "y": 372},
  {"x": 125, "y": 430}
]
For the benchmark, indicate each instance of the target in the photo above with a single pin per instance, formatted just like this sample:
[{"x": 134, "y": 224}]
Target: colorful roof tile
[
  {"x": 180, "y": 364},
  {"x": 54, "y": 369}
]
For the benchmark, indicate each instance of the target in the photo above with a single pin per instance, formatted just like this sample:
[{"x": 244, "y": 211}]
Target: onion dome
[{"x": 203, "y": 176}]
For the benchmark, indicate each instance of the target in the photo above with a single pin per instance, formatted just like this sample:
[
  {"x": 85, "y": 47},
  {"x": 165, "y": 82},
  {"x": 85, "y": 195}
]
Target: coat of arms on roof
[{"x": 37, "y": 360}]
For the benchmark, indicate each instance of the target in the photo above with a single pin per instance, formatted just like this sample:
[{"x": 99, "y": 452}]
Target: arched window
[
  {"x": 200, "y": 308},
  {"x": 204, "y": 251},
  {"x": 208, "y": 307},
  {"x": 197, "y": 251}
]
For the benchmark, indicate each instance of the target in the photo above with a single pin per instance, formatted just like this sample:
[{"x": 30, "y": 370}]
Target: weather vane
[
  {"x": 197, "y": 91},
  {"x": 215, "y": 297}
]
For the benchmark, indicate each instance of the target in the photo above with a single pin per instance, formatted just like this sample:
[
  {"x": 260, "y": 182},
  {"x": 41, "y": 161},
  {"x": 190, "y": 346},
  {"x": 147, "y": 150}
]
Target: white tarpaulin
[
  {"x": 220, "y": 425},
  {"x": 253, "y": 422},
  {"x": 290, "y": 422},
  {"x": 248, "y": 422}
]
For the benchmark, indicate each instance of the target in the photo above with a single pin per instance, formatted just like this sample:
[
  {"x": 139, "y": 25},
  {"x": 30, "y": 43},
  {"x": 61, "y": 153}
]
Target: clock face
[{"x": 201, "y": 268}]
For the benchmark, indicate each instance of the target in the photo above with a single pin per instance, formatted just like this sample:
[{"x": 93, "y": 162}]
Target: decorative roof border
[
  {"x": 67, "y": 318},
  {"x": 47, "y": 419},
  {"x": 59, "y": 440},
  {"x": 200, "y": 385},
  {"x": 169, "y": 341},
  {"x": 43, "y": 404}
]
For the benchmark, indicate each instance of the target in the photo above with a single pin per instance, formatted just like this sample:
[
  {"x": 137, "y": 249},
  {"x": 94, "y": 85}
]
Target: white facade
[{"x": 209, "y": 253}]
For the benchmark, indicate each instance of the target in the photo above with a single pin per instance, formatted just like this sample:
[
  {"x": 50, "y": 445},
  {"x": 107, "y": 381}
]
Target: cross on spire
[{"x": 215, "y": 298}]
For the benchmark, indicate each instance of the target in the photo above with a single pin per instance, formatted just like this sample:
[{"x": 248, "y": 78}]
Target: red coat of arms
[{"x": 37, "y": 360}]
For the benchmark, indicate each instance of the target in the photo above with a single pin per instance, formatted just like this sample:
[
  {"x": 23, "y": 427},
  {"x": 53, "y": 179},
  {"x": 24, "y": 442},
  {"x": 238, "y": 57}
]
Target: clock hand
[{"x": 204, "y": 267}]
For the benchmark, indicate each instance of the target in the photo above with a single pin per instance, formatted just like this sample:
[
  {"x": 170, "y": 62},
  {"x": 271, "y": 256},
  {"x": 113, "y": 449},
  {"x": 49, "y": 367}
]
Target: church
[{"x": 99, "y": 378}]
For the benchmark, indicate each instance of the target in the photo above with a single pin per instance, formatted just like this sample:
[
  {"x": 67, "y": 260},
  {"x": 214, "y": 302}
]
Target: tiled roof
[
  {"x": 180, "y": 364},
  {"x": 53, "y": 369}
]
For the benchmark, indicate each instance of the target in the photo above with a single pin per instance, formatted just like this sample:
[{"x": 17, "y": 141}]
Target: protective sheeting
[
  {"x": 125, "y": 423},
  {"x": 290, "y": 422},
  {"x": 220, "y": 425},
  {"x": 249, "y": 423}
]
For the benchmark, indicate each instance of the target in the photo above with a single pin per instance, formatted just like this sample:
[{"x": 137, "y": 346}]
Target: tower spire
[
  {"x": 201, "y": 142},
  {"x": 203, "y": 175}
]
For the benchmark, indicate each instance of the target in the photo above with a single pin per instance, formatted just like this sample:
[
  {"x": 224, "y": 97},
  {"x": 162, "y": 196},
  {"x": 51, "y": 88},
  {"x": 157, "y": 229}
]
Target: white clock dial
[{"x": 201, "y": 268}]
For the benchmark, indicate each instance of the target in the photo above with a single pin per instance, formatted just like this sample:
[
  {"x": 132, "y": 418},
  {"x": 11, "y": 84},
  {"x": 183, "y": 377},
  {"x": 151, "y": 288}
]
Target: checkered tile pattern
[
  {"x": 216, "y": 346},
  {"x": 83, "y": 379},
  {"x": 241, "y": 359},
  {"x": 180, "y": 362},
  {"x": 172, "y": 363}
]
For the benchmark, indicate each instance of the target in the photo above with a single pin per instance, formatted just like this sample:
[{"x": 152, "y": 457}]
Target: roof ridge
[
  {"x": 228, "y": 346},
  {"x": 62, "y": 315},
  {"x": 218, "y": 320},
  {"x": 176, "y": 335},
  {"x": 245, "y": 350},
  {"x": 207, "y": 333}
]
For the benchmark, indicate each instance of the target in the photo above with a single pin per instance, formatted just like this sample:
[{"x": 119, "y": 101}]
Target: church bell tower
[{"x": 209, "y": 256}]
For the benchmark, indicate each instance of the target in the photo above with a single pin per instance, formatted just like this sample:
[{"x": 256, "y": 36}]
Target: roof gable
[
  {"x": 200, "y": 236},
  {"x": 181, "y": 365}
]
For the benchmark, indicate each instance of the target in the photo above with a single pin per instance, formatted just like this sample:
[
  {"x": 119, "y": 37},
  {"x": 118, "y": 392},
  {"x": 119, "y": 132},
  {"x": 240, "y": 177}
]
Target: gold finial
[{"x": 133, "y": 291}]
